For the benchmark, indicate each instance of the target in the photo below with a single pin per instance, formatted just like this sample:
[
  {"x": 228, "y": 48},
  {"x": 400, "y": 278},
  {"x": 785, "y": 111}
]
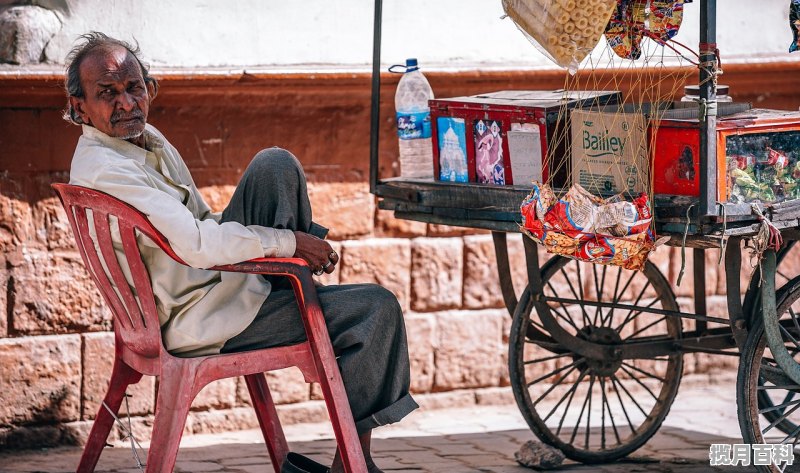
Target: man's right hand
[{"x": 318, "y": 253}]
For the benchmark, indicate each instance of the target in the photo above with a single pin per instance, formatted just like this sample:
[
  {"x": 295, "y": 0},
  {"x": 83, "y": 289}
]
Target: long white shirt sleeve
[{"x": 199, "y": 309}]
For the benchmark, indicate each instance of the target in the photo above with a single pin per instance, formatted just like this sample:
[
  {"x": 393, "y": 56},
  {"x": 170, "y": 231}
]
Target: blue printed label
[{"x": 411, "y": 126}]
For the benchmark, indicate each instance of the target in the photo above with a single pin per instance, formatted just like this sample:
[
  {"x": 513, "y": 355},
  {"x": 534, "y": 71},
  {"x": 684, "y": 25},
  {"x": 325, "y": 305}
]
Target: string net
[{"x": 595, "y": 201}]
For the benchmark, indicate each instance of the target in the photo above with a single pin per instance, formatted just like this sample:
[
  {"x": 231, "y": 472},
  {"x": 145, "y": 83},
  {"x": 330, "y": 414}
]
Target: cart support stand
[
  {"x": 699, "y": 257},
  {"x": 374, "y": 125},
  {"x": 708, "y": 108},
  {"x": 733, "y": 269},
  {"x": 504, "y": 271}
]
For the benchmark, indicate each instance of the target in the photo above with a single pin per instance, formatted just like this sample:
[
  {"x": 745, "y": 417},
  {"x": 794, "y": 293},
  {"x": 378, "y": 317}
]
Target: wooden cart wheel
[
  {"x": 768, "y": 401},
  {"x": 595, "y": 411},
  {"x": 768, "y": 398}
]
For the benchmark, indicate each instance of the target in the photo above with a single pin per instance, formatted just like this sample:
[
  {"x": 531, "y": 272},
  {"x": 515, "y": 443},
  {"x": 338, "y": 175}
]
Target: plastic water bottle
[{"x": 414, "y": 122}]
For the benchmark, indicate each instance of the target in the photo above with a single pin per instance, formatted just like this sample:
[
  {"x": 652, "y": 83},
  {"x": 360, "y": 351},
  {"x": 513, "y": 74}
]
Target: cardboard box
[
  {"x": 609, "y": 151},
  {"x": 504, "y": 137}
]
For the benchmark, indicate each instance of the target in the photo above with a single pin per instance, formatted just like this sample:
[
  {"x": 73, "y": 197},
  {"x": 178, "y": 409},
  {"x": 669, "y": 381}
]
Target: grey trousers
[{"x": 365, "y": 321}]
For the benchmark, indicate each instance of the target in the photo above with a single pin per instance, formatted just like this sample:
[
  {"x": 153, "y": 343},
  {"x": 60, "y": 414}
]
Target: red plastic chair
[{"x": 140, "y": 351}]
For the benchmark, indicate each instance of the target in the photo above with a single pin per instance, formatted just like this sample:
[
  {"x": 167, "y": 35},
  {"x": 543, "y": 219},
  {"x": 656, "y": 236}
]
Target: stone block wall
[{"x": 56, "y": 343}]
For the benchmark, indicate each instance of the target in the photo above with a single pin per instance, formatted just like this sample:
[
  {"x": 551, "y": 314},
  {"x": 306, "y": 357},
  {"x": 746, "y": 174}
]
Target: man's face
[{"x": 116, "y": 99}]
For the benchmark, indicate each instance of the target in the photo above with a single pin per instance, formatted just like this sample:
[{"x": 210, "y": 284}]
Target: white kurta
[{"x": 199, "y": 310}]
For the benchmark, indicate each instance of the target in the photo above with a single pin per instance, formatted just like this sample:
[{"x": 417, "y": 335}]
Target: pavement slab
[{"x": 478, "y": 439}]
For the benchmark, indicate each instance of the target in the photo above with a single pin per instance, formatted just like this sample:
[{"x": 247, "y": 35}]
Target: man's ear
[
  {"x": 77, "y": 105},
  {"x": 152, "y": 89}
]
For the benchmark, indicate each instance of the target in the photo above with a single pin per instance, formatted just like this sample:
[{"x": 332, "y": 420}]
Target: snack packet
[
  {"x": 585, "y": 227},
  {"x": 566, "y": 31}
]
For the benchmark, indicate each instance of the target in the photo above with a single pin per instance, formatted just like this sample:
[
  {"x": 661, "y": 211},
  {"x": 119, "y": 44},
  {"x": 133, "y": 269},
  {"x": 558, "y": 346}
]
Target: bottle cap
[
  {"x": 694, "y": 90},
  {"x": 411, "y": 64}
]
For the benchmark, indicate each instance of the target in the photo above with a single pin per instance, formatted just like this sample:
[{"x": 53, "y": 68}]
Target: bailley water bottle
[{"x": 414, "y": 122}]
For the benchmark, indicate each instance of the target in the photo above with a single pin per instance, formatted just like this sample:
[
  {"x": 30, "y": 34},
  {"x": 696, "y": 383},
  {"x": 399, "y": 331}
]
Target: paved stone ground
[{"x": 479, "y": 439}]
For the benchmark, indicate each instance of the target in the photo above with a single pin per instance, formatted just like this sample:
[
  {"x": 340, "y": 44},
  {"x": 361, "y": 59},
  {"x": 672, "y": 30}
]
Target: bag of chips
[
  {"x": 587, "y": 228},
  {"x": 566, "y": 31}
]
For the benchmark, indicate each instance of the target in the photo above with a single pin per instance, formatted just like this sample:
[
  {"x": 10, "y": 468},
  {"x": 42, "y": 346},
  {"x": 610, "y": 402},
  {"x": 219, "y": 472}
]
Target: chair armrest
[{"x": 270, "y": 266}]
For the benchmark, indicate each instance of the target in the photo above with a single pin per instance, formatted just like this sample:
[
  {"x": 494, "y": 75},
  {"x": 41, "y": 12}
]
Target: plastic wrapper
[
  {"x": 794, "y": 24},
  {"x": 763, "y": 167},
  {"x": 633, "y": 20},
  {"x": 564, "y": 30},
  {"x": 588, "y": 228}
]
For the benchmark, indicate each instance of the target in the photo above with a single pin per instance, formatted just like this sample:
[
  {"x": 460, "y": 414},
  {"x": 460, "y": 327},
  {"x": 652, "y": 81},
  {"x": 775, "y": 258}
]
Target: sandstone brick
[
  {"x": 303, "y": 412},
  {"x": 469, "y": 353},
  {"x": 436, "y": 230},
  {"x": 346, "y": 208},
  {"x": 217, "y": 197},
  {"x": 422, "y": 342},
  {"x": 437, "y": 267},
  {"x": 98, "y": 360},
  {"x": 141, "y": 427},
  {"x": 216, "y": 421},
  {"x": 53, "y": 293},
  {"x": 286, "y": 386},
  {"x": 715, "y": 365},
  {"x": 789, "y": 267},
  {"x": 51, "y": 225},
  {"x": 4, "y": 282},
  {"x": 21, "y": 437},
  {"x": 713, "y": 272},
  {"x": 386, "y": 225},
  {"x": 481, "y": 279},
  {"x": 220, "y": 394},
  {"x": 385, "y": 261},
  {"x": 446, "y": 400},
  {"x": 494, "y": 396},
  {"x": 481, "y": 284},
  {"x": 15, "y": 220},
  {"x": 40, "y": 378}
]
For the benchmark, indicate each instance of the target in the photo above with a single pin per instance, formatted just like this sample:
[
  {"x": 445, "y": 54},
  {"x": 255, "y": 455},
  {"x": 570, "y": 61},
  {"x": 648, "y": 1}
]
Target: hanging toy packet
[
  {"x": 794, "y": 24},
  {"x": 634, "y": 20}
]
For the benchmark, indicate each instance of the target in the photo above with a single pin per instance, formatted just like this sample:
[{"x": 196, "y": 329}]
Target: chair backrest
[{"x": 136, "y": 323}]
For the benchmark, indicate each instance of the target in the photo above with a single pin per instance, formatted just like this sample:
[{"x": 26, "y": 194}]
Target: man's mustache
[{"x": 120, "y": 116}]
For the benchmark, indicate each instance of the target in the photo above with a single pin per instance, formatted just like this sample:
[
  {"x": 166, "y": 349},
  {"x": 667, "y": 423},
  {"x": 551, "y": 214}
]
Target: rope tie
[
  {"x": 768, "y": 236},
  {"x": 128, "y": 431}
]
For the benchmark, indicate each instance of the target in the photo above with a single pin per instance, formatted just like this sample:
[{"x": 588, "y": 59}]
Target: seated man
[{"x": 205, "y": 312}]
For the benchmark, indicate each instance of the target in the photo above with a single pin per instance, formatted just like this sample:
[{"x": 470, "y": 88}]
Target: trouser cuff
[{"x": 388, "y": 415}]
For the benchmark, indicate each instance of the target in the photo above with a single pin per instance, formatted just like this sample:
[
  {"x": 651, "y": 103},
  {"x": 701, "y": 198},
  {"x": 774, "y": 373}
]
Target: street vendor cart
[{"x": 595, "y": 351}]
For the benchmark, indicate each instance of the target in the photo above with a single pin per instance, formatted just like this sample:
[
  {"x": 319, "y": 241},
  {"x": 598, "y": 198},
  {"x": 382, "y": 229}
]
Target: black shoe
[{"x": 296, "y": 463}]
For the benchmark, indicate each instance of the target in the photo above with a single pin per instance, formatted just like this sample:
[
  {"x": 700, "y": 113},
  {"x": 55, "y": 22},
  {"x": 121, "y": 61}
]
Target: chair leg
[
  {"x": 268, "y": 419},
  {"x": 342, "y": 419},
  {"x": 176, "y": 390},
  {"x": 122, "y": 376}
]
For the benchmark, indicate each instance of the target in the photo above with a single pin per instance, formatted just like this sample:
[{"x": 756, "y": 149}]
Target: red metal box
[
  {"x": 758, "y": 156},
  {"x": 505, "y": 137}
]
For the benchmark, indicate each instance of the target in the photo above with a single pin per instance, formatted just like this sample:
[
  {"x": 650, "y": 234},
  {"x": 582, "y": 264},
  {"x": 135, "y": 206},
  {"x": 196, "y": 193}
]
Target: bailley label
[{"x": 609, "y": 152}]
